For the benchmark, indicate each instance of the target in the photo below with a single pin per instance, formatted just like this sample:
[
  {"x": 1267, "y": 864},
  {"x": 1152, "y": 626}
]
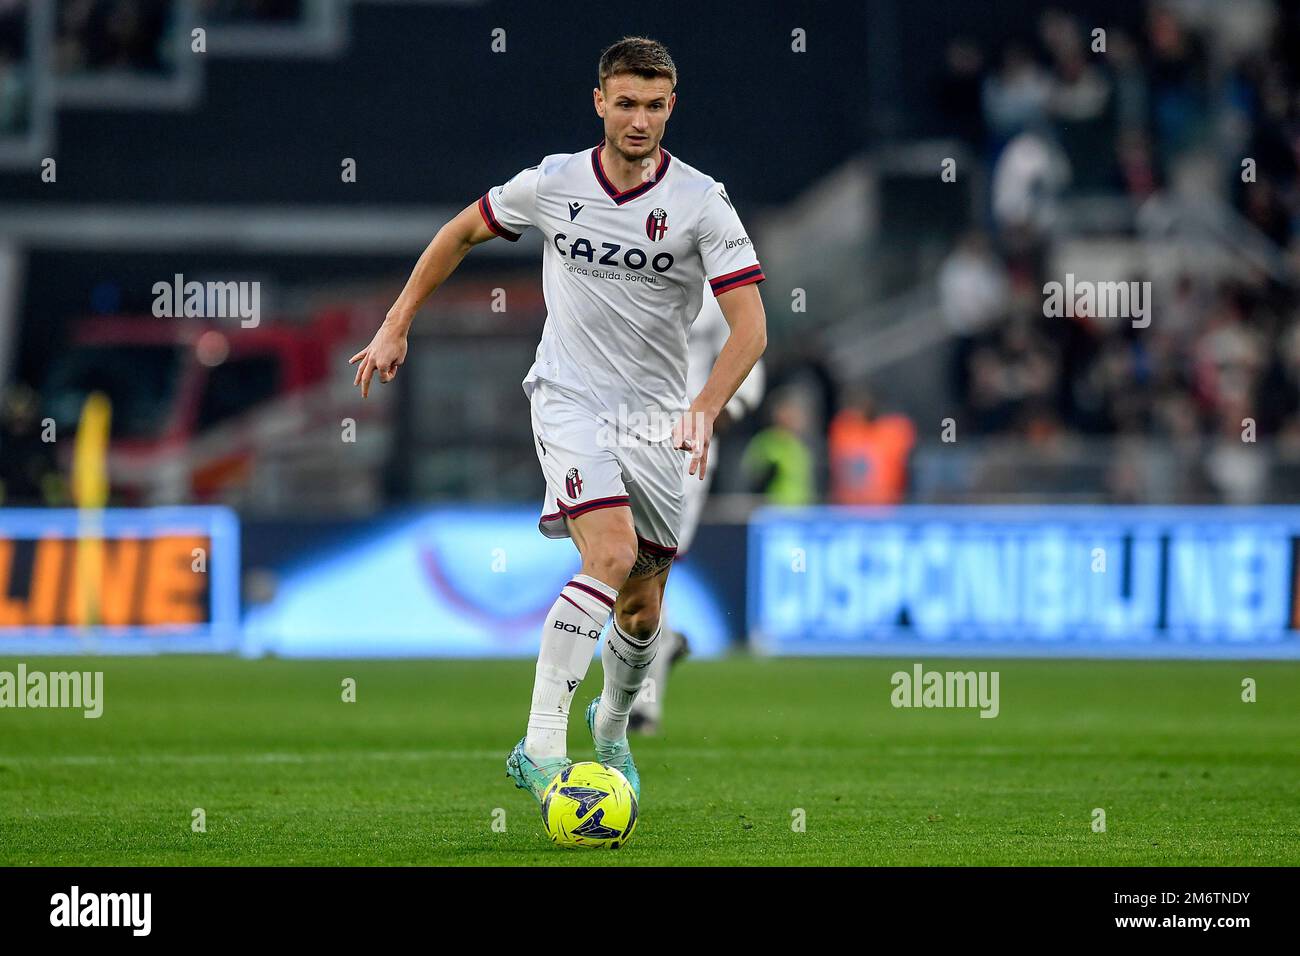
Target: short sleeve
[
  {"x": 511, "y": 208},
  {"x": 728, "y": 255}
]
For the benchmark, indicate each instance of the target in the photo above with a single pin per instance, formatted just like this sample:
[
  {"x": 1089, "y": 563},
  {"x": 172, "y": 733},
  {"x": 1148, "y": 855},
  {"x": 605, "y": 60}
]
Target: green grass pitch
[{"x": 412, "y": 772}]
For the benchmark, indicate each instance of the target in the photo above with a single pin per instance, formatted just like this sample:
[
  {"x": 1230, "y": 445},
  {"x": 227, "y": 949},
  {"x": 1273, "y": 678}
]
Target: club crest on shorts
[
  {"x": 656, "y": 225},
  {"x": 573, "y": 483}
]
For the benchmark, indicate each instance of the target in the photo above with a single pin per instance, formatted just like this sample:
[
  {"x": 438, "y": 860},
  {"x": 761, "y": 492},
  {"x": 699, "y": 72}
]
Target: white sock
[
  {"x": 626, "y": 661},
  {"x": 649, "y": 702},
  {"x": 569, "y": 639}
]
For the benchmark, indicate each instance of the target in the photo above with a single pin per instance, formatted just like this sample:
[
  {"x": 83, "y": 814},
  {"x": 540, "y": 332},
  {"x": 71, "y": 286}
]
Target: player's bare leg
[
  {"x": 606, "y": 539},
  {"x": 607, "y": 542},
  {"x": 629, "y": 649},
  {"x": 648, "y": 708}
]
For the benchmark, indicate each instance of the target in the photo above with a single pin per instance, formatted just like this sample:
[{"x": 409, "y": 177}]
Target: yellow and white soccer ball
[{"x": 591, "y": 805}]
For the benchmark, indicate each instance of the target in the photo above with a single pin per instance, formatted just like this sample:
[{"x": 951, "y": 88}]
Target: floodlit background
[
  {"x": 916, "y": 177},
  {"x": 1032, "y": 427}
]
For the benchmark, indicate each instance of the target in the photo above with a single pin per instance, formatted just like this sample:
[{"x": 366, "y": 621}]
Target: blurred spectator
[
  {"x": 777, "y": 462},
  {"x": 1278, "y": 392},
  {"x": 1235, "y": 469},
  {"x": 1132, "y": 96},
  {"x": 28, "y": 468},
  {"x": 1266, "y": 211},
  {"x": 1137, "y": 169},
  {"x": 959, "y": 91},
  {"x": 972, "y": 286},
  {"x": 1178, "y": 68},
  {"x": 102, "y": 35},
  {"x": 1015, "y": 98},
  {"x": 1027, "y": 182},
  {"x": 869, "y": 453},
  {"x": 973, "y": 295},
  {"x": 1229, "y": 357},
  {"x": 1079, "y": 102},
  {"x": 15, "y": 95},
  {"x": 1011, "y": 375}
]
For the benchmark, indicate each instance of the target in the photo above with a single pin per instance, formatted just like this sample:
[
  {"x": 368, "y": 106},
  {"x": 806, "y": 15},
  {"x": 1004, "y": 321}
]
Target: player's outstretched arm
[
  {"x": 387, "y": 350},
  {"x": 743, "y": 310}
]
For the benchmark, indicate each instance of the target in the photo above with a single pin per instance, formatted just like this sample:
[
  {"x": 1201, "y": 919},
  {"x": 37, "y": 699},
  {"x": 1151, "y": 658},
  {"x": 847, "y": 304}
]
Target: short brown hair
[{"x": 639, "y": 55}]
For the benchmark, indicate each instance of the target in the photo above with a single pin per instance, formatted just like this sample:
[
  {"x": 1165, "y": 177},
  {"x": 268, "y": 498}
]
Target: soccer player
[
  {"x": 630, "y": 236},
  {"x": 707, "y": 338}
]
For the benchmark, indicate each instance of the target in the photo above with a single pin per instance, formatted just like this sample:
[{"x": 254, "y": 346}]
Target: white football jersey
[{"x": 623, "y": 275}]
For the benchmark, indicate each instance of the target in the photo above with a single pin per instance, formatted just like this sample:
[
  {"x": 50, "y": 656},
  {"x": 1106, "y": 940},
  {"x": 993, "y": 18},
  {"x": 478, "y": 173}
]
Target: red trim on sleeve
[
  {"x": 734, "y": 280},
  {"x": 485, "y": 210}
]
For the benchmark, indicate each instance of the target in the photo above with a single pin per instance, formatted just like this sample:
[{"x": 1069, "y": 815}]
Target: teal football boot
[
  {"x": 616, "y": 754},
  {"x": 532, "y": 775}
]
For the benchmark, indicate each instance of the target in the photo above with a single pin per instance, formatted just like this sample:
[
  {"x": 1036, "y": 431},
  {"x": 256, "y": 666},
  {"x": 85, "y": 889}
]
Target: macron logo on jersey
[{"x": 574, "y": 209}]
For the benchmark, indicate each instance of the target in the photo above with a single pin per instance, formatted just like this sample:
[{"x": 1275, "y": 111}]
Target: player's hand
[
  {"x": 694, "y": 432},
  {"x": 386, "y": 351}
]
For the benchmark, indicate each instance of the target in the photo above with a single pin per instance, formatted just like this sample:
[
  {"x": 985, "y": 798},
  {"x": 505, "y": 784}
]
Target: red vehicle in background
[{"x": 202, "y": 408}]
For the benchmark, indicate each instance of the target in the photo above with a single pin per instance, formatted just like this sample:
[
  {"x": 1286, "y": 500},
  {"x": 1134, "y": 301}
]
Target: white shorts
[
  {"x": 697, "y": 494},
  {"x": 588, "y": 468}
]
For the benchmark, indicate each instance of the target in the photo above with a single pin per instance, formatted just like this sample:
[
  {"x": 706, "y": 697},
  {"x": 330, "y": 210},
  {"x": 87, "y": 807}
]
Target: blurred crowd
[
  {"x": 1093, "y": 109},
  {"x": 1172, "y": 112},
  {"x": 1068, "y": 121}
]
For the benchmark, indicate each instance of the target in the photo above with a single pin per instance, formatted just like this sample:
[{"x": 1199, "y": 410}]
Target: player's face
[{"x": 635, "y": 111}]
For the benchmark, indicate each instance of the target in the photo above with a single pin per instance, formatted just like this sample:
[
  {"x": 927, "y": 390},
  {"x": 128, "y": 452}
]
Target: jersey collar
[{"x": 638, "y": 190}]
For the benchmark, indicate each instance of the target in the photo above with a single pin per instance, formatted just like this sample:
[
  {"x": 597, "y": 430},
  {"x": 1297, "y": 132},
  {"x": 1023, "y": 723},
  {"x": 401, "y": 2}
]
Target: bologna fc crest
[
  {"x": 656, "y": 225},
  {"x": 573, "y": 483}
]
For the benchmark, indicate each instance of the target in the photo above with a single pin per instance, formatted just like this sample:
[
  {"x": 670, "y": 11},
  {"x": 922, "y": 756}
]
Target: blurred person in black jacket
[{"x": 28, "y": 469}]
